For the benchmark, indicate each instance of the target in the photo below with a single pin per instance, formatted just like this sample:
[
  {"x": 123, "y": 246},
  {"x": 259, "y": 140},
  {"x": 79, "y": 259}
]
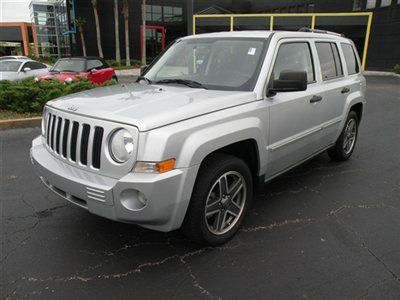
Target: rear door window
[
  {"x": 350, "y": 58},
  {"x": 328, "y": 54}
]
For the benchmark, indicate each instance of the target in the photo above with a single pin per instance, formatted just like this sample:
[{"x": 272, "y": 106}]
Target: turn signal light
[{"x": 154, "y": 167}]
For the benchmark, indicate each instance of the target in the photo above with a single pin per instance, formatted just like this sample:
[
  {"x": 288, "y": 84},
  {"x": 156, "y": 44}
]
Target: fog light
[{"x": 133, "y": 199}]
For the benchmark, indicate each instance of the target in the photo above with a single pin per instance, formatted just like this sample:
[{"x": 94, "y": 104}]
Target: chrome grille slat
[
  {"x": 52, "y": 131},
  {"x": 78, "y": 144},
  {"x": 90, "y": 147},
  {"x": 73, "y": 140},
  {"x": 65, "y": 140},
  {"x": 58, "y": 135},
  {"x": 84, "y": 144}
]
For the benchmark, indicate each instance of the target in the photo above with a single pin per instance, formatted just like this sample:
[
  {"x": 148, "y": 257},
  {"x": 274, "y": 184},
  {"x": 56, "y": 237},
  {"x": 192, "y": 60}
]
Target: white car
[
  {"x": 18, "y": 69},
  {"x": 14, "y": 57}
]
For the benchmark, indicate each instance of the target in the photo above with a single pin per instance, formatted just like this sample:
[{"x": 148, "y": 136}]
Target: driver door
[{"x": 293, "y": 120}]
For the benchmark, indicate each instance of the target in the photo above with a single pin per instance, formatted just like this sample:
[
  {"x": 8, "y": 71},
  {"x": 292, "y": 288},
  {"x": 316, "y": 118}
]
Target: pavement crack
[
  {"x": 366, "y": 247},
  {"x": 278, "y": 224}
]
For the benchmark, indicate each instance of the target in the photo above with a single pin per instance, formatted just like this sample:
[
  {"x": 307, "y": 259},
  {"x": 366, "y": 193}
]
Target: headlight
[
  {"x": 121, "y": 145},
  {"x": 68, "y": 80}
]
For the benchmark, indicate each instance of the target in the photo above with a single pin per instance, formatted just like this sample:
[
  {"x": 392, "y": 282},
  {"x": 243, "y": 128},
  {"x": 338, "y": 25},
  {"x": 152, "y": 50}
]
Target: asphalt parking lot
[{"x": 323, "y": 231}]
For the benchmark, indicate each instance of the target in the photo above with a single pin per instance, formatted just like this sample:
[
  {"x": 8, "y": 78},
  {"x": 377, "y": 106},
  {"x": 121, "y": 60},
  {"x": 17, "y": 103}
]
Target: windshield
[
  {"x": 222, "y": 64},
  {"x": 71, "y": 65},
  {"x": 10, "y": 66}
]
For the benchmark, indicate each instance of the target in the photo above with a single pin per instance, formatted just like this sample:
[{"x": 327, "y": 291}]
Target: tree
[
  {"x": 96, "y": 19},
  {"x": 125, "y": 12},
  {"x": 116, "y": 20},
  {"x": 80, "y": 22}
]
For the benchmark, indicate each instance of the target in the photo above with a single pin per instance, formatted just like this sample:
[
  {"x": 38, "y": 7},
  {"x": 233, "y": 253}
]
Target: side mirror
[
  {"x": 289, "y": 81},
  {"x": 143, "y": 69},
  {"x": 27, "y": 69}
]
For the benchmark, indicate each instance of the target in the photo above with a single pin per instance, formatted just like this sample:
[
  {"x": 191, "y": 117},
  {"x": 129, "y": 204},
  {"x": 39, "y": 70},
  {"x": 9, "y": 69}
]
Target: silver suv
[{"x": 209, "y": 120}]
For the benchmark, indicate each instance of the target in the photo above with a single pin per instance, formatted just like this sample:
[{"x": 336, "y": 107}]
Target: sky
[{"x": 14, "y": 11}]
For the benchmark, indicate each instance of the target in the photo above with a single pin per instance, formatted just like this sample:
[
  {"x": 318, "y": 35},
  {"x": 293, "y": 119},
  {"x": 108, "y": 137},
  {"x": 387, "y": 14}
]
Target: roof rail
[{"x": 307, "y": 29}]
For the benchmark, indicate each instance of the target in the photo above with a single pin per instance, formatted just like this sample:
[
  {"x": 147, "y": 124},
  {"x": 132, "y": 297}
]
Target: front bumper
[{"x": 167, "y": 195}]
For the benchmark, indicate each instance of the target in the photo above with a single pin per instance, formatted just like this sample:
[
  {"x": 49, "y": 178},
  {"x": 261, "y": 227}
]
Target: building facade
[
  {"x": 167, "y": 20},
  {"x": 52, "y": 27},
  {"x": 384, "y": 43}
]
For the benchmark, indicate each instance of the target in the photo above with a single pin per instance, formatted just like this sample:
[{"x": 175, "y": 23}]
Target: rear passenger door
[
  {"x": 333, "y": 82},
  {"x": 293, "y": 123}
]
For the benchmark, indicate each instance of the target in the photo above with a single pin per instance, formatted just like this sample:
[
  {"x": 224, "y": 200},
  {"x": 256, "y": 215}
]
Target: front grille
[{"x": 78, "y": 142}]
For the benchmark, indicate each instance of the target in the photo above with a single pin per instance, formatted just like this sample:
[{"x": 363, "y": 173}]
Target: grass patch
[{"x": 12, "y": 115}]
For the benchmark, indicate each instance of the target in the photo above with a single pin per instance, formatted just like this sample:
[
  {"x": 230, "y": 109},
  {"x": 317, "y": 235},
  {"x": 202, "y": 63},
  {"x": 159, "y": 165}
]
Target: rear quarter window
[
  {"x": 350, "y": 58},
  {"x": 328, "y": 54}
]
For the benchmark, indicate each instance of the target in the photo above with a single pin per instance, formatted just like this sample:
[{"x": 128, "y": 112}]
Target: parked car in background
[
  {"x": 18, "y": 69},
  {"x": 14, "y": 57},
  {"x": 71, "y": 68}
]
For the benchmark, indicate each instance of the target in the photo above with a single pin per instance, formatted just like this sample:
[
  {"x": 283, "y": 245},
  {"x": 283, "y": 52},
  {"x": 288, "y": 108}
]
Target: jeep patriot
[{"x": 213, "y": 117}]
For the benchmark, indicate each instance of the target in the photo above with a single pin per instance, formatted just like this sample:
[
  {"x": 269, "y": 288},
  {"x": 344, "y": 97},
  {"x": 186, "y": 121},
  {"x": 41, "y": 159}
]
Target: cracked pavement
[{"x": 324, "y": 230}]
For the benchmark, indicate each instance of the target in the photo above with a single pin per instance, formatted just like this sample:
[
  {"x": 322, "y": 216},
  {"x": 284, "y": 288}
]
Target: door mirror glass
[
  {"x": 289, "y": 81},
  {"x": 27, "y": 69}
]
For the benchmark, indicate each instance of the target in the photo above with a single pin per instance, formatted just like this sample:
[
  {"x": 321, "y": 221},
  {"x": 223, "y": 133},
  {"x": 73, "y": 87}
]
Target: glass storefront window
[
  {"x": 385, "y": 3},
  {"x": 371, "y": 4}
]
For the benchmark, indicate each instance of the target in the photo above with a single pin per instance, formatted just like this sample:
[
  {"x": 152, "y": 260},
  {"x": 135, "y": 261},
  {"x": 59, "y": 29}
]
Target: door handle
[
  {"x": 315, "y": 98},
  {"x": 345, "y": 90}
]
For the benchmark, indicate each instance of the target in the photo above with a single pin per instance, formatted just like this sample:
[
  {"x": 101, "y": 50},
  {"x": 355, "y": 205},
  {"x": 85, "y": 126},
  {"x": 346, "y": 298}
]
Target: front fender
[{"x": 205, "y": 141}]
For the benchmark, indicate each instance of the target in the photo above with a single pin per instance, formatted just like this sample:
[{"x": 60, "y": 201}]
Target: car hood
[
  {"x": 59, "y": 76},
  {"x": 5, "y": 75},
  {"x": 149, "y": 106}
]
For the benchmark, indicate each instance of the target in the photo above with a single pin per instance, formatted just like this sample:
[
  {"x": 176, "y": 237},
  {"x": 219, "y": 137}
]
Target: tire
[
  {"x": 349, "y": 134},
  {"x": 115, "y": 78},
  {"x": 213, "y": 173}
]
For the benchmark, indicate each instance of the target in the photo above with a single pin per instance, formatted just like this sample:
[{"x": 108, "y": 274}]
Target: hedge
[
  {"x": 29, "y": 96},
  {"x": 396, "y": 69}
]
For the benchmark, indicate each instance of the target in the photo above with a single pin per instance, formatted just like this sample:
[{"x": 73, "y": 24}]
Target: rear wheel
[
  {"x": 346, "y": 142},
  {"x": 221, "y": 195}
]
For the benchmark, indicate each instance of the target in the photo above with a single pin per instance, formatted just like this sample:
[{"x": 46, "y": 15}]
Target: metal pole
[
  {"x": 367, "y": 34},
  {"x": 144, "y": 33}
]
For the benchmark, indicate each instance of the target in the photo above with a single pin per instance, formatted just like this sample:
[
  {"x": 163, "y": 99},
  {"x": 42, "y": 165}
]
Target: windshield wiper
[
  {"x": 189, "y": 83},
  {"x": 148, "y": 81}
]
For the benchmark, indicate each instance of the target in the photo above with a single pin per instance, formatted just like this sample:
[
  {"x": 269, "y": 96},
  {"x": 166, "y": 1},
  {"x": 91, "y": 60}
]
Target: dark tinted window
[
  {"x": 34, "y": 65},
  {"x": 338, "y": 62},
  {"x": 329, "y": 59},
  {"x": 94, "y": 64},
  {"x": 294, "y": 57},
  {"x": 350, "y": 58}
]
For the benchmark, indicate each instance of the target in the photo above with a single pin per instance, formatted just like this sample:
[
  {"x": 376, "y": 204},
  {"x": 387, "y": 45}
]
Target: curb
[
  {"x": 379, "y": 73},
  {"x": 20, "y": 123},
  {"x": 129, "y": 72}
]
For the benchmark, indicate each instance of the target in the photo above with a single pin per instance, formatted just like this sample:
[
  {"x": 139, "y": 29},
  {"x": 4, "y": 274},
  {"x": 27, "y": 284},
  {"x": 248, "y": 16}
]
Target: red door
[{"x": 155, "y": 41}]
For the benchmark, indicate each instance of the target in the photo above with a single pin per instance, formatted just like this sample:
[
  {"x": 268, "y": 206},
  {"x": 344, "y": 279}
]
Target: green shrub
[
  {"x": 396, "y": 69},
  {"x": 29, "y": 96},
  {"x": 46, "y": 59}
]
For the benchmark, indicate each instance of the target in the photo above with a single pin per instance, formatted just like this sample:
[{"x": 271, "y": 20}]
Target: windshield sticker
[{"x": 251, "y": 51}]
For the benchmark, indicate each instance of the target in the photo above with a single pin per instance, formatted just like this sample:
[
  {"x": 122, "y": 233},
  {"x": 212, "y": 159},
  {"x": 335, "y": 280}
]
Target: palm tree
[
  {"x": 80, "y": 22},
  {"x": 96, "y": 19},
  {"x": 125, "y": 12},
  {"x": 116, "y": 20}
]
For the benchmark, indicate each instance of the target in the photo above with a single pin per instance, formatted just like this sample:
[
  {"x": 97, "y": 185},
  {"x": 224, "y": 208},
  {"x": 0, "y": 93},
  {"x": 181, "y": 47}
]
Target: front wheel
[
  {"x": 346, "y": 142},
  {"x": 221, "y": 196}
]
